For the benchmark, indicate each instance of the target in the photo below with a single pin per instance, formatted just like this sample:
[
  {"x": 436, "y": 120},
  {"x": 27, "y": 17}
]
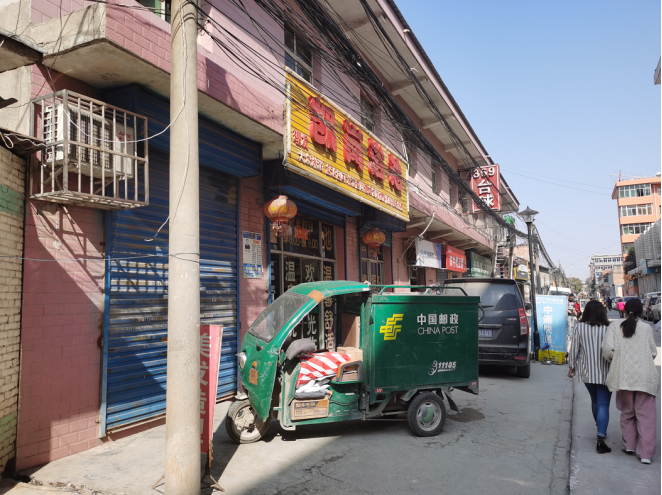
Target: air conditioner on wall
[{"x": 96, "y": 132}]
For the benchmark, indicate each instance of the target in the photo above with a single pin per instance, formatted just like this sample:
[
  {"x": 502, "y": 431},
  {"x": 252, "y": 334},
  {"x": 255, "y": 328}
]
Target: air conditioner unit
[{"x": 88, "y": 131}]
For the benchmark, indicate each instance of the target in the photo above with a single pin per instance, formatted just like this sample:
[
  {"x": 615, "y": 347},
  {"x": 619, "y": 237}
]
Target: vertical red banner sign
[
  {"x": 456, "y": 259},
  {"x": 210, "y": 356},
  {"x": 486, "y": 183}
]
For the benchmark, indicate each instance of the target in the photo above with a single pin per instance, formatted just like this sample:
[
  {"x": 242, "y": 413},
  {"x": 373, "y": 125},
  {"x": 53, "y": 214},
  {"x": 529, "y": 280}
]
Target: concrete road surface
[{"x": 513, "y": 438}]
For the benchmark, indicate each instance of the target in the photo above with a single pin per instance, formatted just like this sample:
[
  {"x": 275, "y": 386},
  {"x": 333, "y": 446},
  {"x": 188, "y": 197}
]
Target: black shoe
[{"x": 602, "y": 447}]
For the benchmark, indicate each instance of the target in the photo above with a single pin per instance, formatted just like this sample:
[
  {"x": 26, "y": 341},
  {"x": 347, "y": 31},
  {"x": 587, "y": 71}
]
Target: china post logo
[{"x": 391, "y": 329}]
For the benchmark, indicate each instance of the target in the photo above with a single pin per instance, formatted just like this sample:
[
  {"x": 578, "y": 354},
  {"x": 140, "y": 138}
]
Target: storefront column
[
  {"x": 352, "y": 246},
  {"x": 253, "y": 292}
]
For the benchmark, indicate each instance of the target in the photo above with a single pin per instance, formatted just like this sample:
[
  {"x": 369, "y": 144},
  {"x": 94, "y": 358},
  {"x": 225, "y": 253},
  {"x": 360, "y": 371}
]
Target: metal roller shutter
[{"x": 136, "y": 303}]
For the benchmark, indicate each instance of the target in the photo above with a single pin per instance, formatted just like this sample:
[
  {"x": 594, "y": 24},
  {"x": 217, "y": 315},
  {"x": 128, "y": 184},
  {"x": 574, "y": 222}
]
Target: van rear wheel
[
  {"x": 426, "y": 414},
  {"x": 524, "y": 371},
  {"x": 243, "y": 425}
]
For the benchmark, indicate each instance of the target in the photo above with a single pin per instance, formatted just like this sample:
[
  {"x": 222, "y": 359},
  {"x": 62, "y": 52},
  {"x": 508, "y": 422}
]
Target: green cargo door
[{"x": 423, "y": 340}]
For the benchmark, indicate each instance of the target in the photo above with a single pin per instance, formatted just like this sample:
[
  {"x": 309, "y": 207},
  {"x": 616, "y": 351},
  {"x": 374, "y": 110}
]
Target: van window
[{"x": 496, "y": 297}]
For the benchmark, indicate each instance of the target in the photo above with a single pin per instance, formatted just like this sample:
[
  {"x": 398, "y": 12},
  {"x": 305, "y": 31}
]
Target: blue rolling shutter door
[{"x": 137, "y": 333}]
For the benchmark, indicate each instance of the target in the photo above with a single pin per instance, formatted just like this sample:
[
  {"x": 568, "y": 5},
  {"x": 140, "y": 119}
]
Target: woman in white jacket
[{"x": 631, "y": 348}]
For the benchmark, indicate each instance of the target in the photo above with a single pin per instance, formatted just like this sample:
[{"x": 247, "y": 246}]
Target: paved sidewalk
[{"x": 616, "y": 472}]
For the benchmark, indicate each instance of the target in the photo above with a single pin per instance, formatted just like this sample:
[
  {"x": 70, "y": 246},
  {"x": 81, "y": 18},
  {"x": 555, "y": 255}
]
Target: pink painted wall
[
  {"x": 352, "y": 249},
  {"x": 253, "y": 292},
  {"x": 62, "y": 322}
]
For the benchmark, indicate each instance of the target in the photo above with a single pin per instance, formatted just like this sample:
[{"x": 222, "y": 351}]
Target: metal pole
[
  {"x": 511, "y": 255},
  {"x": 537, "y": 265},
  {"x": 534, "y": 312},
  {"x": 182, "y": 462}
]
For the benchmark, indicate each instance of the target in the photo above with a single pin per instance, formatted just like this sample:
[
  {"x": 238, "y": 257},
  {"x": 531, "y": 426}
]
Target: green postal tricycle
[{"x": 407, "y": 349}]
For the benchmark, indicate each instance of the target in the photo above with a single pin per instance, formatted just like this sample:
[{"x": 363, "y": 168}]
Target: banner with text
[
  {"x": 552, "y": 312},
  {"x": 325, "y": 144},
  {"x": 456, "y": 260},
  {"x": 428, "y": 254}
]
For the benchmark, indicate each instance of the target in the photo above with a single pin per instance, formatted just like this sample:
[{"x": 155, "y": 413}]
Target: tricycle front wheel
[
  {"x": 243, "y": 425},
  {"x": 426, "y": 414}
]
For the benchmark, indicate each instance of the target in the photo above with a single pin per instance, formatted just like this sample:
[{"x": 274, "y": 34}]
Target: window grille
[{"x": 95, "y": 153}]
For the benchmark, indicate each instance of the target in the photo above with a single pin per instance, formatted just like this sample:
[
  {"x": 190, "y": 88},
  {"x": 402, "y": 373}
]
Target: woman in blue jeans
[{"x": 591, "y": 367}]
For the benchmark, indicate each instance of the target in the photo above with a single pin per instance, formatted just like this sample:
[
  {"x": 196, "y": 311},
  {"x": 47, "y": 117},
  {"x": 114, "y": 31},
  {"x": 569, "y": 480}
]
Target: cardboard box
[
  {"x": 349, "y": 376},
  {"x": 354, "y": 353},
  {"x": 309, "y": 409},
  {"x": 351, "y": 330}
]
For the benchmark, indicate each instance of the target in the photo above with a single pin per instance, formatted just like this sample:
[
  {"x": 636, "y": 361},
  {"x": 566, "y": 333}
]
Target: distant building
[
  {"x": 611, "y": 282},
  {"x": 601, "y": 262},
  {"x": 646, "y": 276},
  {"x": 638, "y": 203}
]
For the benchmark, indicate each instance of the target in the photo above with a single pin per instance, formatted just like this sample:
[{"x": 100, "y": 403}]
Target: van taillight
[{"x": 523, "y": 322}]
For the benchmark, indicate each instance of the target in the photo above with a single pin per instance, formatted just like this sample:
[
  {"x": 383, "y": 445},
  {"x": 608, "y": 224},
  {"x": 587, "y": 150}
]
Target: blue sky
[{"x": 559, "y": 91}]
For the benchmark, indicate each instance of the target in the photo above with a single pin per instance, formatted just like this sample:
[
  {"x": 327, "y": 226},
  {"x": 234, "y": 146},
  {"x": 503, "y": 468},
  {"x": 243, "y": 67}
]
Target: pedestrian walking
[
  {"x": 621, "y": 307},
  {"x": 586, "y": 360},
  {"x": 609, "y": 303},
  {"x": 630, "y": 347},
  {"x": 571, "y": 319}
]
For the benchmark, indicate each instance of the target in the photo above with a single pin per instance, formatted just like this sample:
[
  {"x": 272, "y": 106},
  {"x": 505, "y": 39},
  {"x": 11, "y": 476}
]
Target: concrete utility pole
[{"x": 182, "y": 463}]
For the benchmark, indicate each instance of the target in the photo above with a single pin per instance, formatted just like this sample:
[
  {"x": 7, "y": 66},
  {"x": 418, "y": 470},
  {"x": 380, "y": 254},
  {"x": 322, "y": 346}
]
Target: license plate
[{"x": 485, "y": 333}]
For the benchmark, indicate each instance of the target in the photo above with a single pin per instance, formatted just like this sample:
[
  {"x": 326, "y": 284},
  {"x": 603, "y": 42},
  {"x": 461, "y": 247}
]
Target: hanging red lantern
[
  {"x": 374, "y": 238},
  {"x": 280, "y": 211}
]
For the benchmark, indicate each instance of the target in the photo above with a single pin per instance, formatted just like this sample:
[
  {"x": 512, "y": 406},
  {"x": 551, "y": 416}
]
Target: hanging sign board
[
  {"x": 428, "y": 254},
  {"x": 486, "y": 183},
  {"x": 480, "y": 265},
  {"x": 456, "y": 260},
  {"x": 252, "y": 254},
  {"x": 210, "y": 357},
  {"x": 327, "y": 145}
]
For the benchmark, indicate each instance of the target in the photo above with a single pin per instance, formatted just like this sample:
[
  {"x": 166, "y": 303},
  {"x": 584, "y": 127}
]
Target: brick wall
[
  {"x": 253, "y": 292},
  {"x": 62, "y": 322},
  {"x": 12, "y": 201}
]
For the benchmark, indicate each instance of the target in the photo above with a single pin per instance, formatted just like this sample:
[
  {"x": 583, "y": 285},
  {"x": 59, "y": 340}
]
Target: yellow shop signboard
[{"x": 326, "y": 145}]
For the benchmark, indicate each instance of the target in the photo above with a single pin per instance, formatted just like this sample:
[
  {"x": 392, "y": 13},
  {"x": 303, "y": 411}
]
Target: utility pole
[
  {"x": 511, "y": 256},
  {"x": 182, "y": 463},
  {"x": 537, "y": 269}
]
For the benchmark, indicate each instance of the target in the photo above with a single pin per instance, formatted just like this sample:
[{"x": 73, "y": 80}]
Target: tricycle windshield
[{"x": 272, "y": 319}]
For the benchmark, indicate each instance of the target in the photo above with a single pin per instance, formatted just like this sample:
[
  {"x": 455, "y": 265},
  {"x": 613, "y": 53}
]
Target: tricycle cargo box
[{"x": 423, "y": 340}]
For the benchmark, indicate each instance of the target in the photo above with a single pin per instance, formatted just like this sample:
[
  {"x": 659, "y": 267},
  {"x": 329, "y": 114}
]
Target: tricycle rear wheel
[
  {"x": 426, "y": 414},
  {"x": 243, "y": 425}
]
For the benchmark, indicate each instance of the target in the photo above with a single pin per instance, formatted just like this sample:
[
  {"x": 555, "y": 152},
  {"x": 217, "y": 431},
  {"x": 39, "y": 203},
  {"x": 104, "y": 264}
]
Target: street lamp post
[{"x": 528, "y": 216}]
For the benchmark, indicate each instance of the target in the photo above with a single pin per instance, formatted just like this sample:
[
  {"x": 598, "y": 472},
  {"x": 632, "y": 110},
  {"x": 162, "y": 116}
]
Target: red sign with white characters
[
  {"x": 486, "y": 183},
  {"x": 456, "y": 260},
  {"x": 210, "y": 356}
]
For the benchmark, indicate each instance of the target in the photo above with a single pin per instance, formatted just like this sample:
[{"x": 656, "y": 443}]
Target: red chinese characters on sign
[
  {"x": 485, "y": 182},
  {"x": 352, "y": 145},
  {"x": 322, "y": 123},
  {"x": 210, "y": 356},
  {"x": 395, "y": 172},
  {"x": 376, "y": 159},
  {"x": 300, "y": 139},
  {"x": 456, "y": 260},
  {"x": 301, "y": 233}
]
